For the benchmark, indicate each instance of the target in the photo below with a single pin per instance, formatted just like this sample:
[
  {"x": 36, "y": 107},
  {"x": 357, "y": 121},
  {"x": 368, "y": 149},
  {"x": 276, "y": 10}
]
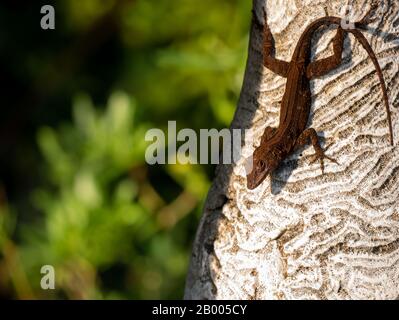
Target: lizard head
[{"x": 263, "y": 163}]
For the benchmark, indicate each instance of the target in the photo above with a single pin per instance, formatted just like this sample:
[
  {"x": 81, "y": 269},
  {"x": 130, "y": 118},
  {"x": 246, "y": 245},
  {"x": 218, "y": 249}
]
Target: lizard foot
[{"x": 321, "y": 155}]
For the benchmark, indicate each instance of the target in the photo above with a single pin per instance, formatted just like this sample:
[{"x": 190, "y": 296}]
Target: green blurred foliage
[{"x": 111, "y": 225}]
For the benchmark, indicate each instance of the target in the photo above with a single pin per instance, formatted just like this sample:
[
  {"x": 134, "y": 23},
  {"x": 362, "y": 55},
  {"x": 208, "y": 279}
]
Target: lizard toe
[{"x": 321, "y": 156}]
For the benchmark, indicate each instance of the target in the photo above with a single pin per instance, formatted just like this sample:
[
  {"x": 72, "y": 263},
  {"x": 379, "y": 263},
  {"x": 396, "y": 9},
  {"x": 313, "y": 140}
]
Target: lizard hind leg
[
  {"x": 310, "y": 134},
  {"x": 277, "y": 66},
  {"x": 321, "y": 67}
]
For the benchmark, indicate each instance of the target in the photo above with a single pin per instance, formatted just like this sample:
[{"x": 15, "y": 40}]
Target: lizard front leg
[
  {"x": 310, "y": 134},
  {"x": 268, "y": 134},
  {"x": 279, "y": 67},
  {"x": 321, "y": 67}
]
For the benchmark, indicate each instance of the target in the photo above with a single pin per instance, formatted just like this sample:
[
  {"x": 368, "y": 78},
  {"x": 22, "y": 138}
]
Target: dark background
[{"x": 76, "y": 102}]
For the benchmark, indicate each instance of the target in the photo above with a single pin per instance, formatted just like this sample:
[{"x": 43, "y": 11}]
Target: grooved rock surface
[{"x": 301, "y": 234}]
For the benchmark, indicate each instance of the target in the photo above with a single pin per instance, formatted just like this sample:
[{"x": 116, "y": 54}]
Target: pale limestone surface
[{"x": 301, "y": 234}]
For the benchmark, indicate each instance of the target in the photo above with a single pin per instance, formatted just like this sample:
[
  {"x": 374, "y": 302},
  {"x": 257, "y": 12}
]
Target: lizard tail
[{"x": 362, "y": 39}]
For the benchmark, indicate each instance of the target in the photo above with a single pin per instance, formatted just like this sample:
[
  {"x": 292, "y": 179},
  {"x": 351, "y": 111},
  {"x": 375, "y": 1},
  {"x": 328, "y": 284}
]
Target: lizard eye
[{"x": 261, "y": 165}]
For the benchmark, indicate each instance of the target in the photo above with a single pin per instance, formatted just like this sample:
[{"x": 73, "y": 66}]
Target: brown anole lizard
[{"x": 277, "y": 143}]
